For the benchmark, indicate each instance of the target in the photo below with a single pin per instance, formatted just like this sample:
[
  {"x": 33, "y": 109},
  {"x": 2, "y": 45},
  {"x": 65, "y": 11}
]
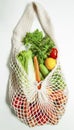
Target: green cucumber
[
  {"x": 43, "y": 70},
  {"x": 41, "y": 76}
]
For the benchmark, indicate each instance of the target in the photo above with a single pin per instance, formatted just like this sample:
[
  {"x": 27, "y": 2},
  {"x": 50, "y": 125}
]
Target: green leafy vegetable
[
  {"x": 25, "y": 58},
  {"x": 39, "y": 45},
  {"x": 34, "y": 37}
]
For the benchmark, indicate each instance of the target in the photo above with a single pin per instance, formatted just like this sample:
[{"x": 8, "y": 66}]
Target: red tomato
[
  {"x": 37, "y": 115},
  {"x": 19, "y": 103},
  {"x": 54, "y": 53}
]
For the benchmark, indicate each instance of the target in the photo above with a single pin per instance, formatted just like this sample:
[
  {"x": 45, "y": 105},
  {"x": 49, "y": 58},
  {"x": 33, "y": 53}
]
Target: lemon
[{"x": 50, "y": 63}]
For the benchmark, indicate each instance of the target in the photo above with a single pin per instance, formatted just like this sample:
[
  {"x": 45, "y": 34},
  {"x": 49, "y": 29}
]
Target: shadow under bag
[{"x": 31, "y": 105}]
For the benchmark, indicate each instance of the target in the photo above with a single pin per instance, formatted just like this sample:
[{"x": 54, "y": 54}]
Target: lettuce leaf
[{"x": 40, "y": 45}]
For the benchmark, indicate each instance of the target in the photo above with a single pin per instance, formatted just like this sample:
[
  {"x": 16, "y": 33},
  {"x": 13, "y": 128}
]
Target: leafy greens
[
  {"x": 25, "y": 58},
  {"x": 40, "y": 45}
]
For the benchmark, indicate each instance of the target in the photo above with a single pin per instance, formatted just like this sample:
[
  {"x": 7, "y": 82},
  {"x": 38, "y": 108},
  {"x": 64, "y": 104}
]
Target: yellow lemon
[{"x": 50, "y": 63}]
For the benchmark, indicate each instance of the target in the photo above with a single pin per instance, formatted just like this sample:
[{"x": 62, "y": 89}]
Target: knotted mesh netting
[{"x": 36, "y": 106}]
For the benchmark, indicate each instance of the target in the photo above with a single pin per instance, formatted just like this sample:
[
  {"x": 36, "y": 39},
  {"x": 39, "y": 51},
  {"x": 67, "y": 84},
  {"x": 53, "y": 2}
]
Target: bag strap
[
  {"x": 43, "y": 18},
  {"x": 25, "y": 23}
]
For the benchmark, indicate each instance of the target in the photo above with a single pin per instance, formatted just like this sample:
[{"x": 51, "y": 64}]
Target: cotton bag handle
[{"x": 25, "y": 23}]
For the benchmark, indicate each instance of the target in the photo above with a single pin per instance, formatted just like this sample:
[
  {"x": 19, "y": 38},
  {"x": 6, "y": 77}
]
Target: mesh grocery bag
[{"x": 32, "y": 104}]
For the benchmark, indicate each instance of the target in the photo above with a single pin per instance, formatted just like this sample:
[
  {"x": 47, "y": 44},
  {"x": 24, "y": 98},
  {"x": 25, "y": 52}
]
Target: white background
[{"x": 61, "y": 13}]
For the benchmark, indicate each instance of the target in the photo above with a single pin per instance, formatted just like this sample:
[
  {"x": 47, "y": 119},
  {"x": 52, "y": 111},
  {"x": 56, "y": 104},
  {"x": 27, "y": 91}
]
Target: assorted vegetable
[
  {"x": 38, "y": 60},
  {"x": 40, "y": 56},
  {"x": 39, "y": 45}
]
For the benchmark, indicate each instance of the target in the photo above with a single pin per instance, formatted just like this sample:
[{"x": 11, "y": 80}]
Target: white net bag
[{"x": 35, "y": 103}]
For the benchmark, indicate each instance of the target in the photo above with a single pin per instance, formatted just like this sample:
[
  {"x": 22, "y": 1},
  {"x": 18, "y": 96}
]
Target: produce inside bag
[
  {"x": 40, "y": 56},
  {"x": 38, "y": 60}
]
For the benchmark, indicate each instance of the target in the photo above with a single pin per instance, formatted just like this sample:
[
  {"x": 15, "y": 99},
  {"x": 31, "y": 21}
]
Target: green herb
[
  {"x": 33, "y": 38},
  {"x": 39, "y": 45}
]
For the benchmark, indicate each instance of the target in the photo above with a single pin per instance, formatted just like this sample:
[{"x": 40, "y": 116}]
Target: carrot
[
  {"x": 36, "y": 65},
  {"x": 37, "y": 73}
]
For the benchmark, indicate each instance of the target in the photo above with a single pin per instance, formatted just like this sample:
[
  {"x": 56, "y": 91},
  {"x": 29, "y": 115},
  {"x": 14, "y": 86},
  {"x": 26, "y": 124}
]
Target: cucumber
[
  {"x": 43, "y": 70},
  {"x": 41, "y": 76}
]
